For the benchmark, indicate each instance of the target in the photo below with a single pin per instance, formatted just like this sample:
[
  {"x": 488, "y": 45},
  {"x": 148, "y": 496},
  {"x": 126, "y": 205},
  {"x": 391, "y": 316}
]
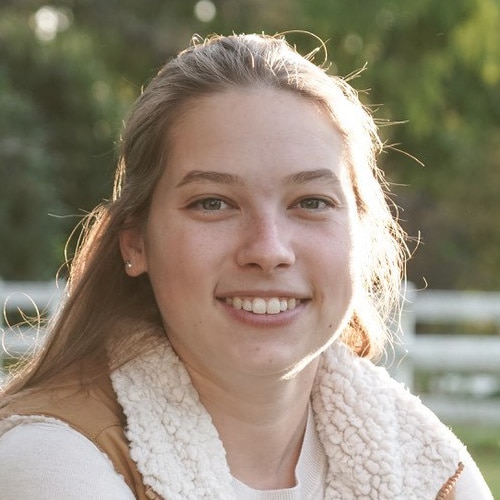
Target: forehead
[{"x": 244, "y": 128}]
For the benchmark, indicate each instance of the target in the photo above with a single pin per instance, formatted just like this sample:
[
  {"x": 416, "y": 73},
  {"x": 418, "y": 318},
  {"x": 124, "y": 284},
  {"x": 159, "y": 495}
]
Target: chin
[{"x": 282, "y": 367}]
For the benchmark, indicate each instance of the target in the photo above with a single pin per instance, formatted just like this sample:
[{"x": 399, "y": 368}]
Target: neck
[{"x": 261, "y": 424}]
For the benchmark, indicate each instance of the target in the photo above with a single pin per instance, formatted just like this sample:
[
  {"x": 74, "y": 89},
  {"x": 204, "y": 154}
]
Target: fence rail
[{"x": 464, "y": 369}]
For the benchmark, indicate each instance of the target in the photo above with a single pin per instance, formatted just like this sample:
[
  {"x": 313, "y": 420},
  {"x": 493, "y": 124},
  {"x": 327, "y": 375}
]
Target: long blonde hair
[{"x": 101, "y": 296}]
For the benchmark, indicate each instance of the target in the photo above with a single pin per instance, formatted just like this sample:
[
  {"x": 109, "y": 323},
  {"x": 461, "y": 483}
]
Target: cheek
[
  {"x": 341, "y": 261},
  {"x": 333, "y": 264},
  {"x": 180, "y": 258},
  {"x": 166, "y": 255}
]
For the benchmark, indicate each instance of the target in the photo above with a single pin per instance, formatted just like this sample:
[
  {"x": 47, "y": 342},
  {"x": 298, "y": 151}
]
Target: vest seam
[{"x": 450, "y": 484}]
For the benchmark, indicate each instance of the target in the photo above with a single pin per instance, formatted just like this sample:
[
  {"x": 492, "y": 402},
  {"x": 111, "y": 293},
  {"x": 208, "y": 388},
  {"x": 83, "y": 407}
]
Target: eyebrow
[
  {"x": 210, "y": 176},
  {"x": 312, "y": 175},
  {"x": 224, "y": 178}
]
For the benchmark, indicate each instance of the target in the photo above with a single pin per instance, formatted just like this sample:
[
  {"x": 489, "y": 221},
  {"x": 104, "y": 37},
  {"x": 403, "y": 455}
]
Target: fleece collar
[{"x": 380, "y": 441}]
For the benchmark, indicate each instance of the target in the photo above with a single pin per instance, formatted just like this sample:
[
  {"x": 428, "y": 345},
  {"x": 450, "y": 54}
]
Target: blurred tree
[
  {"x": 435, "y": 64},
  {"x": 27, "y": 190},
  {"x": 59, "y": 115}
]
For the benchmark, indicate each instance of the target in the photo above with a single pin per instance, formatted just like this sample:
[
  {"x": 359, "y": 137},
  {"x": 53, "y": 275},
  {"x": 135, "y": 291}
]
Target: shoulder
[
  {"x": 47, "y": 459},
  {"x": 471, "y": 483},
  {"x": 87, "y": 402},
  {"x": 88, "y": 405}
]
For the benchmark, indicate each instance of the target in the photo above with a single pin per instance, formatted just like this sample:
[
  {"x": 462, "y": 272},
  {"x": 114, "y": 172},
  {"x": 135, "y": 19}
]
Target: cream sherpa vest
[{"x": 380, "y": 441}]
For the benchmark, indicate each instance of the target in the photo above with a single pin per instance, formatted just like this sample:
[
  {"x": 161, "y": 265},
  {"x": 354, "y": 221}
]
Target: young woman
[{"x": 224, "y": 307}]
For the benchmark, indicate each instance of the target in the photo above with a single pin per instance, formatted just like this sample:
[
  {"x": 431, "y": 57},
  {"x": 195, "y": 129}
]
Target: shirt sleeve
[
  {"x": 51, "y": 461},
  {"x": 471, "y": 483}
]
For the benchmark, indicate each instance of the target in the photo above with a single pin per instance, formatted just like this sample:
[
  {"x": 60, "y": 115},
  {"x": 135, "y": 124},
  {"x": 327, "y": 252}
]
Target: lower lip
[{"x": 263, "y": 320}]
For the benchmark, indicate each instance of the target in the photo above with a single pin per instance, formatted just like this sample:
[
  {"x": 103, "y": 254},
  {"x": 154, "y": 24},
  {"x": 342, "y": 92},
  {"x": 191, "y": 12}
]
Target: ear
[{"x": 133, "y": 250}]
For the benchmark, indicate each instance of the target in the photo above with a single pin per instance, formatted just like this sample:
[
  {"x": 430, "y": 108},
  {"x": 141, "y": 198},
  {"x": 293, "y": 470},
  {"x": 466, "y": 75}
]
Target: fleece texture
[{"x": 380, "y": 441}]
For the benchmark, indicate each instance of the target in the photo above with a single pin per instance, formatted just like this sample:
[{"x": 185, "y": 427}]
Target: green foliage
[
  {"x": 24, "y": 169},
  {"x": 434, "y": 65},
  {"x": 58, "y": 120}
]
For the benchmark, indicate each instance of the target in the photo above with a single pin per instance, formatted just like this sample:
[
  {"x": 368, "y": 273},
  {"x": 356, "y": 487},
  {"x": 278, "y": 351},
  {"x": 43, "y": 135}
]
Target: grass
[{"x": 483, "y": 443}]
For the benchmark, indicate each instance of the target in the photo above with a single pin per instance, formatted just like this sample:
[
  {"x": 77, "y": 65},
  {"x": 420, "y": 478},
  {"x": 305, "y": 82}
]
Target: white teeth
[
  {"x": 247, "y": 305},
  {"x": 258, "y": 305},
  {"x": 273, "y": 306}
]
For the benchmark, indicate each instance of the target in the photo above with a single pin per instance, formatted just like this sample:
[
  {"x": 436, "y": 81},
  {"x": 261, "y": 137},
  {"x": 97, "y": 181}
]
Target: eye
[
  {"x": 209, "y": 204},
  {"x": 314, "y": 204}
]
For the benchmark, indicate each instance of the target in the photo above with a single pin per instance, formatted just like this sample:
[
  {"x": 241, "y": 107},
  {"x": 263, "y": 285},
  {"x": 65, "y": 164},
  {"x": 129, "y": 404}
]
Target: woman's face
[{"x": 250, "y": 238}]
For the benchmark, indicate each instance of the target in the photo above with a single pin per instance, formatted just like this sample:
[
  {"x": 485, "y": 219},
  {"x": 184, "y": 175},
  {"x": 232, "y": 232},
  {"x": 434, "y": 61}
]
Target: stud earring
[{"x": 128, "y": 264}]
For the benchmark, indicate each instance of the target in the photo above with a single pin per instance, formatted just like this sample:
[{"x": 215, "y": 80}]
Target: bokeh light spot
[{"x": 205, "y": 11}]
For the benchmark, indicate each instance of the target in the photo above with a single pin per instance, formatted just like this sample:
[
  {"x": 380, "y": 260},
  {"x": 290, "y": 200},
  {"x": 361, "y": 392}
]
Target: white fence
[{"x": 462, "y": 371}]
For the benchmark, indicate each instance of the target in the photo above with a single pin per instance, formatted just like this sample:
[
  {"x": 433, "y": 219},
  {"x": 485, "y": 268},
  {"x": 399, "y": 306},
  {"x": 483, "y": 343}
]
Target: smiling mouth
[{"x": 259, "y": 305}]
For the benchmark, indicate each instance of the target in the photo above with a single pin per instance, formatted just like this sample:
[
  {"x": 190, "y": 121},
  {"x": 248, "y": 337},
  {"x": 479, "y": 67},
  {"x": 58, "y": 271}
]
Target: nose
[{"x": 265, "y": 244}]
